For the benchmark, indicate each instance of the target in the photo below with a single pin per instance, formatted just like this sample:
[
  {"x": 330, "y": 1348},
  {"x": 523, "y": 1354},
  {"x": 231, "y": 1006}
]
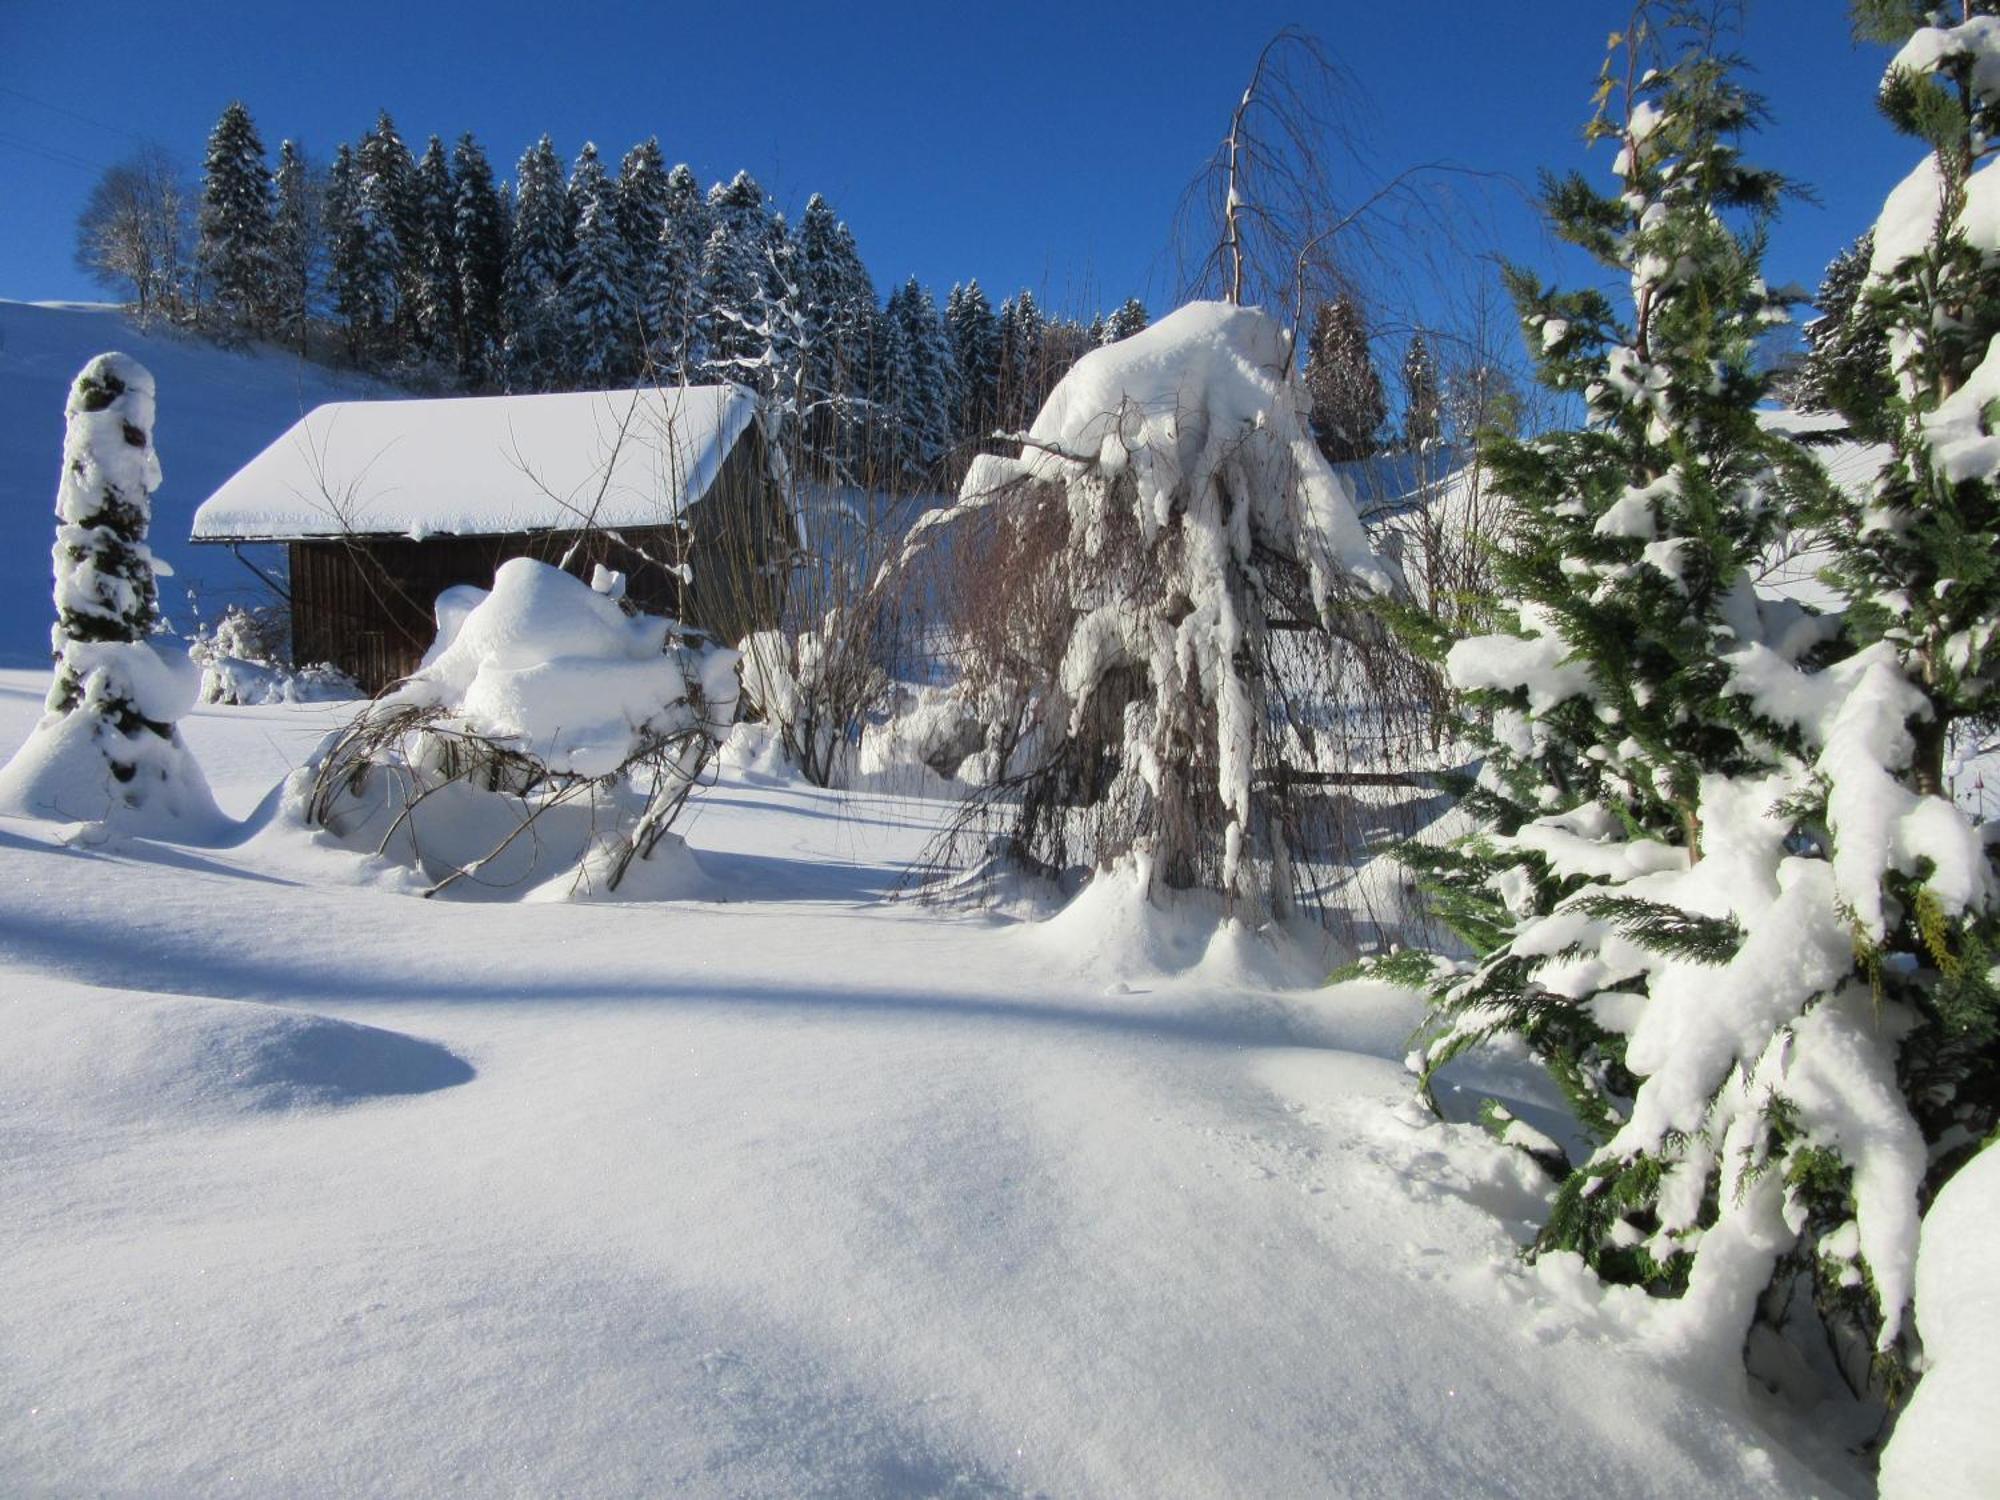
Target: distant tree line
[{"x": 430, "y": 270}]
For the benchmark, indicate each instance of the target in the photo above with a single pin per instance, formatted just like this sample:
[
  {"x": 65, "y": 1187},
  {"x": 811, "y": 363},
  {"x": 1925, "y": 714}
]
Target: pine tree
[
  {"x": 347, "y": 280},
  {"x": 385, "y": 211},
  {"x": 1348, "y": 407},
  {"x": 383, "y": 244},
  {"x": 1918, "y": 556},
  {"x": 734, "y": 268},
  {"x": 234, "y": 250},
  {"x": 1680, "y": 798},
  {"x": 105, "y": 589},
  {"x": 1130, "y": 318},
  {"x": 827, "y": 354},
  {"x": 597, "y": 286},
  {"x": 537, "y": 254},
  {"x": 672, "y": 295},
  {"x": 479, "y": 236},
  {"x": 642, "y": 201},
  {"x": 440, "y": 301},
  {"x": 975, "y": 347},
  {"x": 919, "y": 379},
  {"x": 107, "y": 747},
  {"x": 1423, "y": 408},
  {"x": 1845, "y": 363},
  {"x": 1023, "y": 368},
  {"x": 296, "y": 246}
]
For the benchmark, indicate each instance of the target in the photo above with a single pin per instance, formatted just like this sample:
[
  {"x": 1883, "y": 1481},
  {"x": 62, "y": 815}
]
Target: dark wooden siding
[{"x": 365, "y": 603}]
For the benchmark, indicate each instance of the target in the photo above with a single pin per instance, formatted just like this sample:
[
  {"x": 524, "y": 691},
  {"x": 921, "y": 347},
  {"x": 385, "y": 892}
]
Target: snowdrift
[{"x": 94, "y": 1057}]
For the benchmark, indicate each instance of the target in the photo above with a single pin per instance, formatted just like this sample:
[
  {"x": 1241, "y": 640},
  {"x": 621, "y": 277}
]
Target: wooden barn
[{"x": 382, "y": 505}]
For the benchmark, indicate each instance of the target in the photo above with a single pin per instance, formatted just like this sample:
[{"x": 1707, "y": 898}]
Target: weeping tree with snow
[
  {"x": 1707, "y": 891},
  {"x": 106, "y": 746},
  {"x": 1174, "y": 509}
]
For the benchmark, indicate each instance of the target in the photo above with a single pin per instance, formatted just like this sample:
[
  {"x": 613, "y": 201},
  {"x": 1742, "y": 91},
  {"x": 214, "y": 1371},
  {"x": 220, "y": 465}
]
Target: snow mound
[
  {"x": 105, "y": 1057},
  {"x": 65, "y": 769},
  {"x": 1946, "y": 1446},
  {"x": 549, "y": 663},
  {"x": 1120, "y": 928}
]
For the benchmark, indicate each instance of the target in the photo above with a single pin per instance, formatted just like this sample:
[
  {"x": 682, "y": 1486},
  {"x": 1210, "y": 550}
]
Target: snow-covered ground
[{"x": 314, "y": 1188}]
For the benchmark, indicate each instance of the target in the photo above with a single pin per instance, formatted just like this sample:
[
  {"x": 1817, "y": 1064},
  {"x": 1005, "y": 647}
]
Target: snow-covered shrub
[
  {"x": 243, "y": 661},
  {"x": 106, "y": 748},
  {"x": 547, "y": 741},
  {"x": 1714, "y": 889},
  {"x": 1189, "y": 507},
  {"x": 815, "y": 686},
  {"x": 936, "y": 728}
]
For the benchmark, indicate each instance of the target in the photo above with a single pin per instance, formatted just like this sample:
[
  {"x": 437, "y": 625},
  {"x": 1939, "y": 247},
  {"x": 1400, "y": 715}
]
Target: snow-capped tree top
[
  {"x": 110, "y": 447},
  {"x": 1207, "y": 387}
]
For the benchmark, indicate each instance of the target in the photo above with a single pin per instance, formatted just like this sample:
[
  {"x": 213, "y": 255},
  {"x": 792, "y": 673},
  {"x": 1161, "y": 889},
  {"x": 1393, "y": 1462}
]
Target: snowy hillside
[
  {"x": 785, "y": 1192},
  {"x": 217, "y": 410}
]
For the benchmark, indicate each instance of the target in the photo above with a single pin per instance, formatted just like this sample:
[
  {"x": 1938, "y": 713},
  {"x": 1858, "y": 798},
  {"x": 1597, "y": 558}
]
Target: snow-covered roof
[{"x": 482, "y": 465}]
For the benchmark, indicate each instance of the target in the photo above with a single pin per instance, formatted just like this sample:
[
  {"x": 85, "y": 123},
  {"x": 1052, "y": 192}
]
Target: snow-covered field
[{"x": 316, "y": 1188}]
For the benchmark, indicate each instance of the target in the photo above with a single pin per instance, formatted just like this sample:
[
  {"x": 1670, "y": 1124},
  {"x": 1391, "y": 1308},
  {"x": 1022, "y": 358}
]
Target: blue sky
[{"x": 1038, "y": 144}]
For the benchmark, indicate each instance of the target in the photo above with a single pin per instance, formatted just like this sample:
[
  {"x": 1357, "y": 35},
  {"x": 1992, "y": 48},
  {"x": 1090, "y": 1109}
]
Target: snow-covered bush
[
  {"x": 1710, "y": 890},
  {"x": 815, "y": 687},
  {"x": 1190, "y": 507},
  {"x": 936, "y": 728},
  {"x": 106, "y": 748},
  {"x": 243, "y": 661},
  {"x": 547, "y": 741}
]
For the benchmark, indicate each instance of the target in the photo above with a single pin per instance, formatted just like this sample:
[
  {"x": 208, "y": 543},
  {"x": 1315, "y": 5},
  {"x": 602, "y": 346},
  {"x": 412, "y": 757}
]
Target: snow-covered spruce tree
[
  {"x": 672, "y": 296},
  {"x": 234, "y": 250},
  {"x": 836, "y": 321},
  {"x": 975, "y": 347},
  {"x": 1176, "y": 504},
  {"x": 297, "y": 245},
  {"x": 1348, "y": 407},
  {"x": 1128, "y": 319},
  {"x": 479, "y": 238},
  {"x": 918, "y": 379},
  {"x": 1702, "y": 893},
  {"x": 439, "y": 301},
  {"x": 106, "y": 747},
  {"x": 1919, "y": 562},
  {"x": 346, "y": 288},
  {"x": 1022, "y": 384},
  {"x": 730, "y": 316},
  {"x": 1845, "y": 364},
  {"x": 642, "y": 196},
  {"x": 387, "y": 240},
  {"x": 1423, "y": 407},
  {"x": 536, "y": 351},
  {"x": 597, "y": 287}
]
